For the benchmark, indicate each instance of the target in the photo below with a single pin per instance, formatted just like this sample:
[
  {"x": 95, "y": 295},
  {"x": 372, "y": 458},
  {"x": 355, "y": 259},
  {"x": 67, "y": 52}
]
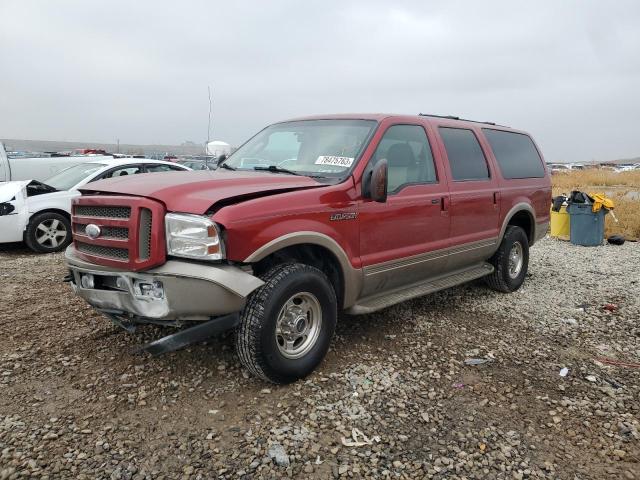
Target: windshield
[
  {"x": 71, "y": 176},
  {"x": 327, "y": 148}
]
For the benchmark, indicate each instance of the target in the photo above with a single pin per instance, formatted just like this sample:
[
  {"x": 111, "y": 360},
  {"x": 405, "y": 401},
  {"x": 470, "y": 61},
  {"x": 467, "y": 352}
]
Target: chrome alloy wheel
[
  {"x": 51, "y": 233},
  {"x": 516, "y": 259},
  {"x": 298, "y": 325}
]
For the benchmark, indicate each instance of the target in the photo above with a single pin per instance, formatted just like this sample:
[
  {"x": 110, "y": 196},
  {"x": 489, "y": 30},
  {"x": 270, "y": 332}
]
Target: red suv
[{"x": 310, "y": 217}]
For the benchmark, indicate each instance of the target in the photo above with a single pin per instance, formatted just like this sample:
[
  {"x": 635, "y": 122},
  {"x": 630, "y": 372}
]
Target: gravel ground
[{"x": 76, "y": 402}]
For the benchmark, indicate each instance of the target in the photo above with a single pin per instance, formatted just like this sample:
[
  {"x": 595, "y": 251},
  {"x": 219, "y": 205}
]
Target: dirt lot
[{"x": 75, "y": 402}]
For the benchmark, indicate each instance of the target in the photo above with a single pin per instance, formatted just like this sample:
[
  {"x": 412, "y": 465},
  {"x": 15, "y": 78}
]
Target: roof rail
[{"x": 453, "y": 117}]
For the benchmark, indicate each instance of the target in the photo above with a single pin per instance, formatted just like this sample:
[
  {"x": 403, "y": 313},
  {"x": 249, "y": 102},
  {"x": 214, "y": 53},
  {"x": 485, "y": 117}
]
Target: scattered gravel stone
[{"x": 279, "y": 455}]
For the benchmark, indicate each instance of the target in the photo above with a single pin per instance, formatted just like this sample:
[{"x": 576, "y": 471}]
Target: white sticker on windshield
[{"x": 335, "y": 161}]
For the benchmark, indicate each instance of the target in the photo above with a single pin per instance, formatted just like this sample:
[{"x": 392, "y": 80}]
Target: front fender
[
  {"x": 52, "y": 201},
  {"x": 352, "y": 276}
]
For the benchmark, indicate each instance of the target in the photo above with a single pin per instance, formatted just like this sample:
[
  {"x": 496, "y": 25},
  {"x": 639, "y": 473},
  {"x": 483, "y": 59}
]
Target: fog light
[
  {"x": 121, "y": 283},
  {"x": 149, "y": 289},
  {"x": 87, "y": 281}
]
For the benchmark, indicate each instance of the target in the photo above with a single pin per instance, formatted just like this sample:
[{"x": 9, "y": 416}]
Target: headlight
[{"x": 193, "y": 236}]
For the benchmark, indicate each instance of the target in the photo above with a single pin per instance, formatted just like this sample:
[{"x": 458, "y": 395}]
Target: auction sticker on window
[{"x": 334, "y": 161}]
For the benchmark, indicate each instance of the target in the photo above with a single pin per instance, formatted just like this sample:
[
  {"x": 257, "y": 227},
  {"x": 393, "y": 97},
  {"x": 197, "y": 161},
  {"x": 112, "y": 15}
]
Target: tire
[
  {"x": 504, "y": 278},
  {"x": 48, "y": 232},
  {"x": 269, "y": 353}
]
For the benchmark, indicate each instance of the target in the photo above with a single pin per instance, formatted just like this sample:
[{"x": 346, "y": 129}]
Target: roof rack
[{"x": 453, "y": 117}]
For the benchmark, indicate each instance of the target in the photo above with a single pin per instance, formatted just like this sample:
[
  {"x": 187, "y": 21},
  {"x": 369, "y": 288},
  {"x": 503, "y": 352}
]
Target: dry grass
[
  {"x": 620, "y": 187},
  {"x": 596, "y": 177}
]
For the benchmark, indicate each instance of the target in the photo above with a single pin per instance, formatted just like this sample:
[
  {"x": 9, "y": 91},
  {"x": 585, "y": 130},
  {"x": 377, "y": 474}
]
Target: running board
[{"x": 398, "y": 295}]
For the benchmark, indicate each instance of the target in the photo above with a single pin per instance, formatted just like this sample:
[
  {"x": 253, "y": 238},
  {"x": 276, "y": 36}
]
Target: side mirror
[
  {"x": 378, "y": 183},
  {"x": 221, "y": 159}
]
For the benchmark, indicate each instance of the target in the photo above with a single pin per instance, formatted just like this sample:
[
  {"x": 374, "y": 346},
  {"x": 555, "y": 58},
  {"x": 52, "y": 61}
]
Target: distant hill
[
  {"x": 624, "y": 160},
  {"x": 51, "y": 146},
  {"x": 603, "y": 162}
]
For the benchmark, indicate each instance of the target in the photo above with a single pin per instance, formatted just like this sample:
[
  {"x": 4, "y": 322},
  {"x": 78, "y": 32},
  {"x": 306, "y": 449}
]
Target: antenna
[{"x": 209, "y": 124}]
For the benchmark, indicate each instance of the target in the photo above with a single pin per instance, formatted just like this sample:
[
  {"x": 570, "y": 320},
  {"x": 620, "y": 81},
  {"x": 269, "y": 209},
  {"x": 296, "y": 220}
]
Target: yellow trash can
[{"x": 560, "y": 223}]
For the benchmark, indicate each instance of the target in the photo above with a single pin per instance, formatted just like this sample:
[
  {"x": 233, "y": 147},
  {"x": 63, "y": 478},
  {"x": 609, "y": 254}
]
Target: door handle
[{"x": 435, "y": 201}]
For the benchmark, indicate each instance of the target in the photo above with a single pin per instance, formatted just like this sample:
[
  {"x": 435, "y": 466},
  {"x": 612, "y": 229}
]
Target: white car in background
[
  {"x": 40, "y": 168},
  {"x": 39, "y": 213}
]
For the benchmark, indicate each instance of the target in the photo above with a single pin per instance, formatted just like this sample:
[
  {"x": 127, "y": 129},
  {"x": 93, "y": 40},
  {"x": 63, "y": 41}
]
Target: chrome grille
[
  {"x": 132, "y": 231},
  {"x": 106, "y": 252},
  {"x": 102, "y": 212},
  {"x": 144, "y": 237},
  {"x": 119, "y": 233}
]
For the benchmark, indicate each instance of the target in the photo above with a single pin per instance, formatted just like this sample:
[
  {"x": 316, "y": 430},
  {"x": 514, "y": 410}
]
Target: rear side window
[
  {"x": 121, "y": 171},
  {"x": 151, "y": 168},
  {"x": 516, "y": 154},
  {"x": 465, "y": 155}
]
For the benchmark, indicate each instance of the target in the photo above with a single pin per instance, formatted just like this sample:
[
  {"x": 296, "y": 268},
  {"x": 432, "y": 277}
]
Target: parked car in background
[
  {"x": 627, "y": 167},
  {"x": 311, "y": 217},
  {"x": 39, "y": 213},
  {"x": 39, "y": 168}
]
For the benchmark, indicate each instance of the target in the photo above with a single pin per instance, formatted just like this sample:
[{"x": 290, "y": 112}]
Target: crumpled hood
[
  {"x": 197, "y": 192},
  {"x": 8, "y": 190}
]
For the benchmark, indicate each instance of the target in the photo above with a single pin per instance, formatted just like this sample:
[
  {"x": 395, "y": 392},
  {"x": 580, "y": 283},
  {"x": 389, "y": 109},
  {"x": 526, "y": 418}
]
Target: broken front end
[{"x": 118, "y": 264}]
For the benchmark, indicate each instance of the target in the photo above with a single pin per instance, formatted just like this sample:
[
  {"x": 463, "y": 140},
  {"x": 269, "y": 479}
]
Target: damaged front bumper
[{"x": 176, "y": 292}]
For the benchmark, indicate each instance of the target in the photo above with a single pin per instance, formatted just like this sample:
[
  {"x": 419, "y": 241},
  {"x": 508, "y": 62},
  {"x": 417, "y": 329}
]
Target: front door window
[{"x": 409, "y": 158}]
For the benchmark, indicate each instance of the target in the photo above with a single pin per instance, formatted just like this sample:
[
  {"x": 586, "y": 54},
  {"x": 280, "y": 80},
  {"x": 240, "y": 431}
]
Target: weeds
[
  {"x": 596, "y": 177},
  {"x": 623, "y": 188}
]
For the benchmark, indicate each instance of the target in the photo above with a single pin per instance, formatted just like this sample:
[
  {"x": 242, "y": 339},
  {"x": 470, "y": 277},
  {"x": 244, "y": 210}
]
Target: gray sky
[{"x": 566, "y": 71}]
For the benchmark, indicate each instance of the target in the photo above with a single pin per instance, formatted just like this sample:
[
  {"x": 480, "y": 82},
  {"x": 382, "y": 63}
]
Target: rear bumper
[{"x": 188, "y": 291}]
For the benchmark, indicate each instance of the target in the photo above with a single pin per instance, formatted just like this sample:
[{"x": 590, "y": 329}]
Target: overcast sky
[{"x": 568, "y": 72}]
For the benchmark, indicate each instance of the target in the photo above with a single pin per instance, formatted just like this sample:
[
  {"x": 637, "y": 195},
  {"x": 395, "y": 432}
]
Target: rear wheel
[
  {"x": 511, "y": 261},
  {"x": 48, "y": 232},
  {"x": 287, "y": 324}
]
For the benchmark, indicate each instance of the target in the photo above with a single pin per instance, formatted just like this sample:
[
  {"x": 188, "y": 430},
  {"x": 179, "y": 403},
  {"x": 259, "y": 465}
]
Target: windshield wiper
[
  {"x": 228, "y": 167},
  {"x": 277, "y": 169}
]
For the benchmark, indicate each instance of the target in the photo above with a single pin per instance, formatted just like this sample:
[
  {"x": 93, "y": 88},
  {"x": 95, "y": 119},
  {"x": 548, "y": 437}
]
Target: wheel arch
[
  {"x": 64, "y": 213},
  {"x": 25, "y": 233},
  {"x": 521, "y": 215},
  {"x": 318, "y": 250}
]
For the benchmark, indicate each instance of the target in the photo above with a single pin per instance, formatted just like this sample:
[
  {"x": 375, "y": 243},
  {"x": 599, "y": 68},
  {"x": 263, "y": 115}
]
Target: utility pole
[
  {"x": 209, "y": 124},
  {"x": 118, "y": 146}
]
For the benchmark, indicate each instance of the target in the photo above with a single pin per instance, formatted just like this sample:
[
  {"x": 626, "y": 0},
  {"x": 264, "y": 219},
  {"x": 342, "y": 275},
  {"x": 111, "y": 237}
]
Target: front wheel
[
  {"x": 511, "y": 261},
  {"x": 287, "y": 324},
  {"x": 48, "y": 232}
]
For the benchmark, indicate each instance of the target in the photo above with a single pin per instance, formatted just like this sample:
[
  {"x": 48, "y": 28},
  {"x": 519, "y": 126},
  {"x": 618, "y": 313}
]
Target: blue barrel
[{"x": 586, "y": 226}]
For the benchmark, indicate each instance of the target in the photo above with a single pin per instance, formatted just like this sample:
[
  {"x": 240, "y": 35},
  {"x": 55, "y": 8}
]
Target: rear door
[
  {"x": 475, "y": 196},
  {"x": 401, "y": 240}
]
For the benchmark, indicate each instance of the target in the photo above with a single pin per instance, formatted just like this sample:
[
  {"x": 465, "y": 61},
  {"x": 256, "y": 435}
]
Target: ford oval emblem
[{"x": 93, "y": 231}]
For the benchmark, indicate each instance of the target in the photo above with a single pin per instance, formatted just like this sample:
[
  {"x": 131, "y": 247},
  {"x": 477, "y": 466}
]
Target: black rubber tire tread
[
  {"x": 253, "y": 317},
  {"x": 500, "y": 280},
  {"x": 30, "y": 237}
]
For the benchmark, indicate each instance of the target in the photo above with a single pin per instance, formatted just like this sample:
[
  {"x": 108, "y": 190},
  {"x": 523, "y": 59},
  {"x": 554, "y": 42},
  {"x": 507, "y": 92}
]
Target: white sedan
[{"x": 39, "y": 213}]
